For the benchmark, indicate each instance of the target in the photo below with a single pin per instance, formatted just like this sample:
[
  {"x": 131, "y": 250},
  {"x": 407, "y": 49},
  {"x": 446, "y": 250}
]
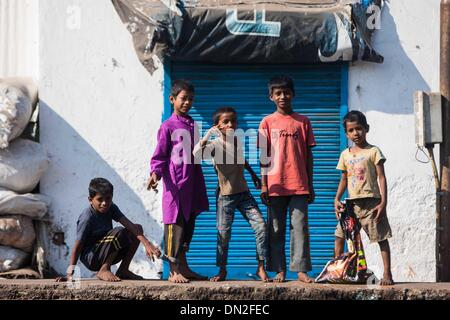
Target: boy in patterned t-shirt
[{"x": 363, "y": 176}]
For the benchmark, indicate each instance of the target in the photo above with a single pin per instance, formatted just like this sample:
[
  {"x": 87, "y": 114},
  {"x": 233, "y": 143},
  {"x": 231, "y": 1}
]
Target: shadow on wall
[
  {"x": 394, "y": 81},
  {"x": 69, "y": 190}
]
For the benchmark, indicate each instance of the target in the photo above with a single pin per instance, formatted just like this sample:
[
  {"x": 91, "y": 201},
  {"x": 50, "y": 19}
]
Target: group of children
[{"x": 285, "y": 141}]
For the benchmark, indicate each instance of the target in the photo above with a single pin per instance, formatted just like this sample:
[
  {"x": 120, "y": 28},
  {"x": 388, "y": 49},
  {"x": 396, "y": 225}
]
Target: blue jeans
[
  {"x": 300, "y": 250},
  {"x": 246, "y": 204}
]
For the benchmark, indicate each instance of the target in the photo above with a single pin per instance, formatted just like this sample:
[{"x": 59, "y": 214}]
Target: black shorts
[{"x": 116, "y": 241}]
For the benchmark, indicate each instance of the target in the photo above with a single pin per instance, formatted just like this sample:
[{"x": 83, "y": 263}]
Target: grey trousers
[{"x": 300, "y": 259}]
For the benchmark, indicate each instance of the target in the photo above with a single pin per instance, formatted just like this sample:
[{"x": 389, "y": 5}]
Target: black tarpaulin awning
[{"x": 299, "y": 31}]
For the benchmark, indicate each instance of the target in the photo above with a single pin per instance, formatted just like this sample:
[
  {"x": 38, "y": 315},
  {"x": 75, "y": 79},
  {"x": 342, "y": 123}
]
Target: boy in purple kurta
[{"x": 184, "y": 195}]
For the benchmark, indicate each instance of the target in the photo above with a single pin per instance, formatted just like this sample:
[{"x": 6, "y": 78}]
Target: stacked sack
[{"x": 22, "y": 164}]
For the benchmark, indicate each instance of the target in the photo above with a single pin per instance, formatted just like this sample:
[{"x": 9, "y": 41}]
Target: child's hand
[
  {"x": 214, "y": 131},
  {"x": 152, "y": 251},
  {"x": 152, "y": 183},
  {"x": 68, "y": 277},
  {"x": 63, "y": 279},
  {"x": 338, "y": 208},
  {"x": 265, "y": 195},
  {"x": 256, "y": 181},
  {"x": 379, "y": 211}
]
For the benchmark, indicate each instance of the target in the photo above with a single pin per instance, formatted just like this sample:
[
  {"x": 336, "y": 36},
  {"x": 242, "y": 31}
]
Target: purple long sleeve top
[{"x": 184, "y": 187}]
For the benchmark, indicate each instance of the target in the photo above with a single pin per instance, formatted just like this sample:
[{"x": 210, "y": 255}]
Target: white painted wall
[
  {"x": 101, "y": 111},
  {"x": 19, "y": 38},
  {"x": 409, "y": 41}
]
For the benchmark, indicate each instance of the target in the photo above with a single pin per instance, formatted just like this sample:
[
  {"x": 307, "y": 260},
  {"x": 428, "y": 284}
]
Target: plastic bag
[
  {"x": 351, "y": 266},
  {"x": 12, "y": 259},
  {"x": 17, "y": 232},
  {"x": 32, "y": 205},
  {"x": 17, "y": 98},
  {"x": 22, "y": 165}
]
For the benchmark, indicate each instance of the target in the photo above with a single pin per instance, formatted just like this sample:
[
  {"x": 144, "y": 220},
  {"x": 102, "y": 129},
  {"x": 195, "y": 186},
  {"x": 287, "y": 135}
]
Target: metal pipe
[{"x": 443, "y": 199}]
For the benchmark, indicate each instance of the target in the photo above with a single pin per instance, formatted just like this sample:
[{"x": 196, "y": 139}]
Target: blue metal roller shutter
[{"x": 320, "y": 94}]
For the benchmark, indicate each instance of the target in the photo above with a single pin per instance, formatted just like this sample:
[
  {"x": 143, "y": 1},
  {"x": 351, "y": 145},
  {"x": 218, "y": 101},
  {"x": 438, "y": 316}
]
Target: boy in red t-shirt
[{"x": 285, "y": 141}]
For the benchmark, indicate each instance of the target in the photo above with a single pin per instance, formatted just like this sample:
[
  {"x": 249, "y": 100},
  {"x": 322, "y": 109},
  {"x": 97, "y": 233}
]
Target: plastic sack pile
[
  {"x": 22, "y": 164},
  {"x": 350, "y": 267}
]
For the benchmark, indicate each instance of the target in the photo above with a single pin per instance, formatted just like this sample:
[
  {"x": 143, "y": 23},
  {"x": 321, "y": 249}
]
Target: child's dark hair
[
  {"x": 220, "y": 111},
  {"x": 355, "y": 116},
  {"x": 180, "y": 85},
  {"x": 281, "y": 82},
  {"x": 100, "y": 186}
]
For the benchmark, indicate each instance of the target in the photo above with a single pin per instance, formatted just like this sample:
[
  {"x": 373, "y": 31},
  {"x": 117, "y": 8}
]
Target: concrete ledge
[{"x": 229, "y": 290}]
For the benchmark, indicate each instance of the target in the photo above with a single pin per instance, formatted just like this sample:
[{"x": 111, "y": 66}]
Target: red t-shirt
[{"x": 285, "y": 139}]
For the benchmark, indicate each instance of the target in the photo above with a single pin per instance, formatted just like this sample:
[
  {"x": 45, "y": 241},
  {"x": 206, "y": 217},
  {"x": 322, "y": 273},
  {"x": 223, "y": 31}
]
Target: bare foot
[
  {"x": 262, "y": 274},
  {"x": 280, "y": 277},
  {"x": 177, "y": 278},
  {"x": 221, "y": 276},
  {"x": 128, "y": 275},
  {"x": 191, "y": 275},
  {"x": 106, "y": 275},
  {"x": 387, "y": 280},
  {"x": 303, "y": 277}
]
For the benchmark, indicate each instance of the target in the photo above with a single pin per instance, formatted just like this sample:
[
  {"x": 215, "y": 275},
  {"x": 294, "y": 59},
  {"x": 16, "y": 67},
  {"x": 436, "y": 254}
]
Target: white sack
[
  {"x": 18, "y": 96},
  {"x": 11, "y": 259},
  {"x": 32, "y": 205},
  {"x": 17, "y": 232},
  {"x": 22, "y": 165}
]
